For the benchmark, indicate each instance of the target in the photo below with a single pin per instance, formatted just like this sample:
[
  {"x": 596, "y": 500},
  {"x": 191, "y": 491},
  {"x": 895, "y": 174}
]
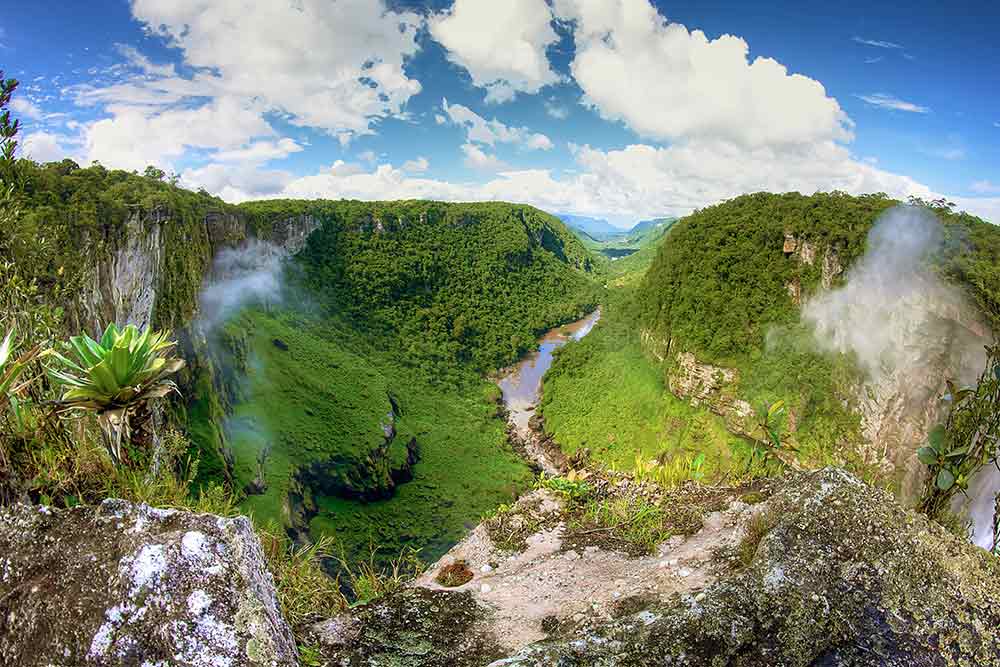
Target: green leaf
[
  {"x": 957, "y": 454},
  {"x": 937, "y": 437},
  {"x": 775, "y": 408},
  {"x": 5, "y": 348},
  {"x": 945, "y": 479},
  {"x": 110, "y": 335},
  {"x": 927, "y": 456}
]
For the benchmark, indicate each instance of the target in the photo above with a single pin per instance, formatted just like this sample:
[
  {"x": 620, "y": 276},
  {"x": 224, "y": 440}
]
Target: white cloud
[
  {"x": 492, "y": 132},
  {"x": 304, "y": 62},
  {"x": 134, "y": 137},
  {"x": 439, "y": 119},
  {"x": 48, "y": 147},
  {"x": 236, "y": 183},
  {"x": 876, "y": 42},
  {"x": 884, "y": 101},
  {"x": 368, "y": 156},
  {"x": 476, "y": 158},
  {"x": 260, "y": 151},
  {"x": 418, "y": 166},
  {"x": 996, "y": 123},
  {"x": 25, "y": 108},
  {"x": 872, "y": 61},
  {"x": 143, "y": 63},
  {"x": 985, "y": 187},
  {"x": 501, "y": 43},
  {"x": 667, "y": 83},
  {"x": 556, "y": 110}
]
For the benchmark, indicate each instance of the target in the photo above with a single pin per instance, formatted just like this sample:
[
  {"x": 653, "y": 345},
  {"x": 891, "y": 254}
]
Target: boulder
[
  {"x": 841, "y": 576},
  {"x": 126, "y": 584},
  {"x": 828, "y": 572}
]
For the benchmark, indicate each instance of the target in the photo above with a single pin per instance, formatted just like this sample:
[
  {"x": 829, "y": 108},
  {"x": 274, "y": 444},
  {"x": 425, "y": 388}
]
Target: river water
[{"x": 521, "y": 385}]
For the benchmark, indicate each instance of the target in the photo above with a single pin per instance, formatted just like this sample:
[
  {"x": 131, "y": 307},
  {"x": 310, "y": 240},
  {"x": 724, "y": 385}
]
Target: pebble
[
  {"x": 485, "y": 588},
  {"x": 683, "y": 573},
  {"x": 571, "y": 555},
  {"x": 486, "y": 568},
  {"x": 699, "y": 597}
]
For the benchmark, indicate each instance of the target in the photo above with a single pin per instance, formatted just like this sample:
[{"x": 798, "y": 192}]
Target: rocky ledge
[
  {"x": 828, "y": 571},
  {"x": 123, "y": 584}
]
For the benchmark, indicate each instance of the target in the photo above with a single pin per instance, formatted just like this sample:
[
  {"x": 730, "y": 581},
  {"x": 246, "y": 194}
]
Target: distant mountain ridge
[{"x": 597, "y": 229}]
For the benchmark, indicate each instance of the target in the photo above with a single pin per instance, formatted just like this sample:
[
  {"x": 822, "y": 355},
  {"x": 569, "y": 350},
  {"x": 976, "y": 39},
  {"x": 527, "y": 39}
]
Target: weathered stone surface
[
  {"x": 124, "y": 584},
  {"x": 713, "y": 386},
  {"x": 844, "y": 576},
  {"x": 416, "y": 627}
]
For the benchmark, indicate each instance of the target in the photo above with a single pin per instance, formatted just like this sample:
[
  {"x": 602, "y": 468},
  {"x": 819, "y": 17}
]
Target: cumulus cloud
[
  {"x": 25, "y": 108},
  {"x": 501, "y": 44},
  {"x": 885, "y": 101},
  {"x": 492, "y": 132},
  {"x": 134, "y": 137},
  {"x": 417, "y": 166},
  {"x": 307, "y": 60},
  {"x": 477, "y": 158},
  {"x": 44, "y": 146},
  {"x": 985, "y": 187},
  {"x": 668, "y": 83},
  {"x": 304, "y": 62}
]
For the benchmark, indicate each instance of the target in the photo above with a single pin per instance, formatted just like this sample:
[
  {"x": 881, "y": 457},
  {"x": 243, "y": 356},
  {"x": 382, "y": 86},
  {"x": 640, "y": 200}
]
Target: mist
[
  {"x": 894, "y": 313},
  {"x": 909, "y": 331},
  {"x": 250, "y": 273}
]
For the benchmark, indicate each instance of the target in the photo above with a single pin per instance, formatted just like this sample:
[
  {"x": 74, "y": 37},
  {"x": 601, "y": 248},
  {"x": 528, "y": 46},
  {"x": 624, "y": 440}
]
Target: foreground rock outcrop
[
  {"x": 124, "y": 584},
  {"x": 828, "y": 571}
]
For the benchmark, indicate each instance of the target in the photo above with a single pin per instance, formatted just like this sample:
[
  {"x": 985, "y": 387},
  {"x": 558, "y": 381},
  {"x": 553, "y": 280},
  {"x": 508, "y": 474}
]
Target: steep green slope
[
  {"x": 361, "y": 411},
  {"x": 718, "y": 287},
  {"x": 70, "y": 219},
  {"x": 720, "y": 282},
  {"x": 468, "y": 283},
  {"x": 605, "y": 395}
]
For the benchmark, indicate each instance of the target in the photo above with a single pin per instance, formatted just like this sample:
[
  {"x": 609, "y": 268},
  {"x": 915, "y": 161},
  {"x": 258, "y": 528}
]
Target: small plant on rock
[
  {"x": 968, "y": 440},
  {"x": 116, "y": 378}
]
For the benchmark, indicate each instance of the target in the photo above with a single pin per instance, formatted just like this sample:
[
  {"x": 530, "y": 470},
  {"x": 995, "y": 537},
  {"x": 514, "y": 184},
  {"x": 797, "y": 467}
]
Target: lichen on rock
[{"x": 124, "y": 584}]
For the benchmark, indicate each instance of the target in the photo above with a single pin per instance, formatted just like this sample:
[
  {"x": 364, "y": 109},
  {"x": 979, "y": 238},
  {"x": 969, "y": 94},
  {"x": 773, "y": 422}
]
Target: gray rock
[{"x": 124, "y": 584}]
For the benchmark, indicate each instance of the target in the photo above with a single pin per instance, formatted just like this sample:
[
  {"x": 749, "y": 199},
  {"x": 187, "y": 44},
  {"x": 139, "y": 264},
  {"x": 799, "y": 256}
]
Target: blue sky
[{"x": 617, "y": 109}]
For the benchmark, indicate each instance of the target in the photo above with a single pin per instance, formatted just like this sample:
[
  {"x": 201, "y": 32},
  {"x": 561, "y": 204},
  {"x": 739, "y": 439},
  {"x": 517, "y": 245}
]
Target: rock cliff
[
  {"x": 830, "y": 572},
  {"x": 123, "y": 584}
]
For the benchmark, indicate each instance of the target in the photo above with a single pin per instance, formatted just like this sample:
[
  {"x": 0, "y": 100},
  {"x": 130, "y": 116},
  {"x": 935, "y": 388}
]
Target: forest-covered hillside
[
  {"x": 721, "y": 281},
  {"x": 468, "y": 283}
]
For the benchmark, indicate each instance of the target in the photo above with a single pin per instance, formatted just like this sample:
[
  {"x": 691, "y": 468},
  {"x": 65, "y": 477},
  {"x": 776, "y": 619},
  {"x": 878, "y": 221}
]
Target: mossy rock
[{"x": 844, "y": 576}]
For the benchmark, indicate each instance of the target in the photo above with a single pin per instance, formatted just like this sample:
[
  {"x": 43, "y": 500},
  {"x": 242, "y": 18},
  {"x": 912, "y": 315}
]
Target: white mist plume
[
  {"x": 910, "y": 332},
  {"x": 250, "y": 273},
  {"x": 893, "y": 312}
]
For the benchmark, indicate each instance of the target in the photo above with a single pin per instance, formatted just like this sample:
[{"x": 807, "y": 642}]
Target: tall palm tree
[{"x": 115, "y": 378}]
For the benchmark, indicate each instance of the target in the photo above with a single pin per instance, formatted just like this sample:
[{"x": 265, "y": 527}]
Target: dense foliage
[
  {"x": 468, "y": 283},
  {"x": 719, "y": 284},
  {"x": 70, "y": 217}
]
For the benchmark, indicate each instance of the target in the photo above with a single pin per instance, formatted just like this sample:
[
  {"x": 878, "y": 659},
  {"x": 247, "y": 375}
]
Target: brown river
[{"x": 521, "y": 385}]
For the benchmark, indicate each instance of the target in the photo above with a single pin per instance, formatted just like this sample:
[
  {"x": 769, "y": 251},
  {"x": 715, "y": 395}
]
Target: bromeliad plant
[
  {"x": 11, "y": 384},
  {"x": 115, "y": 378},
  {"x": 967, "y": 441}
]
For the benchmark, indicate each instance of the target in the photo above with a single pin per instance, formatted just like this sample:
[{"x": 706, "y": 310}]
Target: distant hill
[
  {"x": 596, "y": 228},
  {"x": 646, "y": 225}
]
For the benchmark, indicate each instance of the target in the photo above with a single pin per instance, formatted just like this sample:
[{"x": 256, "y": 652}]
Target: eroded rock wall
[{"x": 127, "y": 585}]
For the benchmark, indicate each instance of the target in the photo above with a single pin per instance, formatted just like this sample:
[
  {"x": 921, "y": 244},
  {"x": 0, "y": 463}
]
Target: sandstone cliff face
[
  {"x": 936, "y": 336},
  {"x": 132, "y": 266},
  {"x": 127, "y": 585},
  {"x": 713, "y": 386},
  {"x": 837, "y": 574}
]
